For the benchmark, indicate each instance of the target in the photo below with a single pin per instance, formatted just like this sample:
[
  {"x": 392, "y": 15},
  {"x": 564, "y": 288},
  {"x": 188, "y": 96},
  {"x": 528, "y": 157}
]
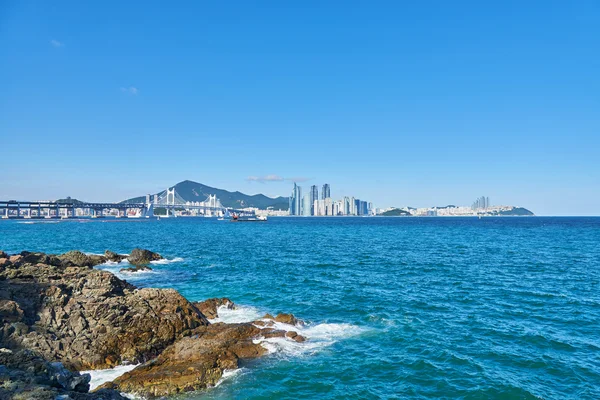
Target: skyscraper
[
  {"x": 296, "y": 200},
  {"x": 326, "y": 192},
  {"x": 306, "y": 206},
  {"x": 314, "y": 195}
]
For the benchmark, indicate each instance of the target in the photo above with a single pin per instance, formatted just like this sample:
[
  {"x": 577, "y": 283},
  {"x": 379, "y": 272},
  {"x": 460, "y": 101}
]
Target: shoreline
[{"x": 88, "y": 319}]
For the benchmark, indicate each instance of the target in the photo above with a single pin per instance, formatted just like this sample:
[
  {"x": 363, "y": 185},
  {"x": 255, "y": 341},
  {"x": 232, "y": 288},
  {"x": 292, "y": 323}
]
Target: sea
[{"x": 395, "y": 308}]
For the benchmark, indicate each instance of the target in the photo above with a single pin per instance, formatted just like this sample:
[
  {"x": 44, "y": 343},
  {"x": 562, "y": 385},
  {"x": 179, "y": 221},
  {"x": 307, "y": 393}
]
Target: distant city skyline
[
  {"x": 402, "y": 104},
  {"x": 310, "y": 204}
]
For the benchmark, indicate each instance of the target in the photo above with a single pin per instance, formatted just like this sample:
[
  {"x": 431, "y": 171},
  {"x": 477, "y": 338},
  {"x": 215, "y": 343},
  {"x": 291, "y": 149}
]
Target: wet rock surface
[
  {"x": 210, "y": 307},
  {"x": 136, "y": 268},
  {"x": 25, "y": 375},
  {"x": 114, "y": 257},
  {"x": 87, "y": 318},
  {"x": 60, "y": 315},
  {"x": 194, "y": 362},
  {"x": 143, "y": 257}
]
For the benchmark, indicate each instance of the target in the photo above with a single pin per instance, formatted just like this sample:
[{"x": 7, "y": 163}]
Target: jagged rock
[
  {"x": 10, "y": 311},
  {"x": 142, "y": 257},
  {"x": 291, "y": 334},
  {"x": 210, "y": 307},
  {"x": 3, "y": 254},
  {"x": 286, "y": 319},
  {"x": 16, "y": 259},
  {"x": 34, "y": 258},
  {"x": 262, "y": 323},
  {"x": 192, "y": 363},
  {"x": 77, "y": 258},
  {"x": 25, "y": 375},
  {"x": 88, "y": 318},
  {"x": 114, "y": 257},
  {"x": 136, "y": 268},
  {"x": 272, "y": 333}
]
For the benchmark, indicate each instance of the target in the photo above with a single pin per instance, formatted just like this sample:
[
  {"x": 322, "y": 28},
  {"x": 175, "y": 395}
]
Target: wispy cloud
[
  {"x": 275, "y": 178},
  {"x": 267, "y": 178},
  {"x": 130, "y": 90},
  {"x": 56, "y": 43}
]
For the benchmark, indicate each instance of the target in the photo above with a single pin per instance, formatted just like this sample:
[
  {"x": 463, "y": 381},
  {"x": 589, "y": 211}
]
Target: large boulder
[
  {"x": 25, "y": 375},
  {"x": 192, "y": 363},
  {"x": 143, "y": 257},
  {"x": 210, "y": 307},
  {"x": 77, "y": 258},
  {"x": 114, "y": 257},
  {"x": 88, "y": 318}
]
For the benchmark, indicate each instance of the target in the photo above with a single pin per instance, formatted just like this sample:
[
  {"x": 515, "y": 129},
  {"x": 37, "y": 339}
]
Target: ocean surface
[{"x": 505, "y": 308}]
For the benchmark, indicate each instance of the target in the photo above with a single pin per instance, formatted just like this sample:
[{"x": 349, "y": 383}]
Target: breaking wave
[
  {"x": 167, "y": 261},
  {"x": 101, "y": 376},
  {"x": 318, "y": 335}
]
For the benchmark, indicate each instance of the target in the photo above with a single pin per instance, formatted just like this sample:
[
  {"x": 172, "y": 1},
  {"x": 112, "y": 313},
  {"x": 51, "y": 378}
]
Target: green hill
[
  {"x": 396, "y": 212},
  {"x": 194, "y": 191},
  {"x": 516, "y": 211}
]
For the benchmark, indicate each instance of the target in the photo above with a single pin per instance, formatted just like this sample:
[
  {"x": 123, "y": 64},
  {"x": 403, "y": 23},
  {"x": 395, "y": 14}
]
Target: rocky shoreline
[{"x": 60, "y": 316}]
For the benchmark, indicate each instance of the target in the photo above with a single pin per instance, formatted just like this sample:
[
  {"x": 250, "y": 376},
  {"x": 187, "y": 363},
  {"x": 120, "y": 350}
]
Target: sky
[{"x": 398, "y": 103}]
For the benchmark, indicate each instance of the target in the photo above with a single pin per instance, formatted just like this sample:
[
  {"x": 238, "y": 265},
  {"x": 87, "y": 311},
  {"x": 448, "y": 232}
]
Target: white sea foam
[
  {"x": 229, "y": 374},
  {"x": 318, "y": 335},
  {"x": 101, "y": 376},
  {"x": 167, "y": 261},
  {"x": 237, "y": 315}
]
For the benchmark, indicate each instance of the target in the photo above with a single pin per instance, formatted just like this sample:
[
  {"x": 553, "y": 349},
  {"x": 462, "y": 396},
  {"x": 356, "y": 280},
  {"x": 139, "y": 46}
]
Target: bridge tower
[{"x": 171, "y": 196}]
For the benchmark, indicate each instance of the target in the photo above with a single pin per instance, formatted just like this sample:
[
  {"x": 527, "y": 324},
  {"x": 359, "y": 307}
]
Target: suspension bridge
[{"x": 169, "y": 202}]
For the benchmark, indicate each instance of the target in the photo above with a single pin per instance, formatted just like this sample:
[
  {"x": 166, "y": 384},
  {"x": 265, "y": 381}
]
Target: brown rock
[
  {"x": 210, "y": 307},
  {"x": 16, "y": 259},
  {"x": 114, "y": 257},
  {"x": 89, "y": 318},
  {"x": 143, "y": 257},
  {"x": 272, "y": 333},
  {"x": 192, "y": 363},
  {"x": 77, "y": 258},
  {"x": 136, "y": 268},
  {"x": 286, "y": 319},
  {"x": 25, "y": 375},
  {"x": 3, "y": 254},
  {"x": 291, "y": 334},
  {"x": 299, "y": 338},
  {"x": 10, "y": 311}
]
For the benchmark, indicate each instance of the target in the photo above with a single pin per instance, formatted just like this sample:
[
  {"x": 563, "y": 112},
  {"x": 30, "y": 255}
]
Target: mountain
[{"x": 194, "y": 191}]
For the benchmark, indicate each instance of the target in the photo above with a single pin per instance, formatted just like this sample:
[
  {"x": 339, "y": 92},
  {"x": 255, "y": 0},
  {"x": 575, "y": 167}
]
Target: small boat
[{"x": 239, "y": 218}]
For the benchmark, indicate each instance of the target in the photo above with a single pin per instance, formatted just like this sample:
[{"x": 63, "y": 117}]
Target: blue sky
[{"x": 399, "y": 103}]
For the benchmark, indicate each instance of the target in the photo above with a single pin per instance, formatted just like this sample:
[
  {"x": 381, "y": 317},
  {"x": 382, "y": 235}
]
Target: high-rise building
[
  {"x": 346, "y": 207},
  {"x": 306, "y": 206},
  {"x": 364, "y": 208},
  {"x": 296, "y": 201},
  {"x": 326, "y": 192},
  {"x": 314, "y": 195}
]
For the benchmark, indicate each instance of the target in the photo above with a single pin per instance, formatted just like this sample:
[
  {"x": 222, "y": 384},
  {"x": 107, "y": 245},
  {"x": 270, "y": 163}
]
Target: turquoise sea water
[{"x": 397, "y": 307}]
